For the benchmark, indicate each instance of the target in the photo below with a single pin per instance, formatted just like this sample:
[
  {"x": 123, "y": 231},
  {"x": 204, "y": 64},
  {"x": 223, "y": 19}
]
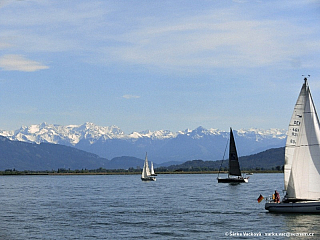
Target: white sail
[
  {"x": 144, "y": 173},
  {"x": 152, "y": 170},
  {"x": 304, "y": 179},
  {"x": 293, "y": 132},
  {"x": 145, "y": 170}
]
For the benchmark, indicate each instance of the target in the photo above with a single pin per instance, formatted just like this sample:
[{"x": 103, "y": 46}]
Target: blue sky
[{"x": 144, "y": 64}]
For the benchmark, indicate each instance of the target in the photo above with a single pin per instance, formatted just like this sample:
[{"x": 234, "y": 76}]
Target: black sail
[{"x": 234, "y": 168}]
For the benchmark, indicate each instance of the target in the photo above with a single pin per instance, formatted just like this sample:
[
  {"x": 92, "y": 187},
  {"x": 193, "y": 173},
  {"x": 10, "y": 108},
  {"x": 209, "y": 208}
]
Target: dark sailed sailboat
[{"x": 234, "y": 174}]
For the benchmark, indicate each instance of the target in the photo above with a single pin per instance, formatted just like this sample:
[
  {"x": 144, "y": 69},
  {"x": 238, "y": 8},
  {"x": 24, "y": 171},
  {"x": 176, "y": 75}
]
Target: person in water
[{"x": 276, "y": 197}]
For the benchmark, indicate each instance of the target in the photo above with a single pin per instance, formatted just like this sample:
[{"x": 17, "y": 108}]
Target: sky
[{"x": 146, "y": 64}]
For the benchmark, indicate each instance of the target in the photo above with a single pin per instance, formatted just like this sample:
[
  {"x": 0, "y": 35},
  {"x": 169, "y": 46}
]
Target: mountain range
[
  {"x": 162, "y": 145},
  {"x": 23, "y": 156},
  {"x": 45, "y": 156}
]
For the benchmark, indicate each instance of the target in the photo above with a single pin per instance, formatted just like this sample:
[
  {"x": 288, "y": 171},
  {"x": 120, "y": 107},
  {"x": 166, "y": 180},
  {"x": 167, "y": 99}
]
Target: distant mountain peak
[
  {"x": 200, "y": 128},
  {"x": 89, "y": 130}
]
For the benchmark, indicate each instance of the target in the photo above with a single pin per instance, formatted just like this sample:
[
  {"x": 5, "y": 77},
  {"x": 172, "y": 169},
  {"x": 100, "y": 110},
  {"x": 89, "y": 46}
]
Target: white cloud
[
  {"x": 13, "y": 62},
  {"x": 3, "y": 3},
  {"x": 4, "y": 45},
  {"x": 231, "y": 43},
  {"x": 229, "y": 36},
  {"x": 223, "y": 38},
  {"x": 127, "y": 96}
]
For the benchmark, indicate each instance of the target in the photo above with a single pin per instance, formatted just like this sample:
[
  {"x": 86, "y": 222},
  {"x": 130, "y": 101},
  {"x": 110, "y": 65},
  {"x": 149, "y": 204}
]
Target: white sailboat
[
  {"x": 302, "y": 159},
  {"x": 152, "y": 170},
  {"x": 234, "y": 173},
  {"x": 146, "y": 174}
]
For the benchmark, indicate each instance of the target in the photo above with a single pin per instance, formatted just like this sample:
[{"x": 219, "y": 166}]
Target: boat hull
[
  {"x": 233, "y": 180},
  {"x": 149, "y": 179},
  {"x": 298, "y": 207}
]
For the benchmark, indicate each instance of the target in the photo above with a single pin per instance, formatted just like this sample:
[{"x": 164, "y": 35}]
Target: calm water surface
[{"x": 180, "y": 206}]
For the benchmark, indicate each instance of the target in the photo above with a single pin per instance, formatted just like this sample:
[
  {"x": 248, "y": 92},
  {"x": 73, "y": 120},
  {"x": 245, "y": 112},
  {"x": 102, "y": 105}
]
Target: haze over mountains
[{"x": 162, "y": 146}]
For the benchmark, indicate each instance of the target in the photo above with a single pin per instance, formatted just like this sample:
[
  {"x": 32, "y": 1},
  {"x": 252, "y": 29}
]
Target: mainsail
[
  {"x": 234, "y": 168},
  {"x": 304, "y": 161},
  {"x": 293, "y": 132}
]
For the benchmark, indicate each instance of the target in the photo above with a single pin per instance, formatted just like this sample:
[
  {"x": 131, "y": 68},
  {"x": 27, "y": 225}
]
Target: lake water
[{"x": 179, "y": 206}]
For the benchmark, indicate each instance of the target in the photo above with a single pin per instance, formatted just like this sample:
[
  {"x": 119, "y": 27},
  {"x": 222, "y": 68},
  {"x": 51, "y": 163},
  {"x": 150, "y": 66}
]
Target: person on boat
[{"x": 276, "y": 197}]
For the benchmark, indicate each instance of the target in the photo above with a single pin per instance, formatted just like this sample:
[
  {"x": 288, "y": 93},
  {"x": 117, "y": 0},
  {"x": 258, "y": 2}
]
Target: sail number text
[
  {"x": 292, "y": 141},
  {"x": 296, "y": 123},
  {"x": 295, "y": 132}
]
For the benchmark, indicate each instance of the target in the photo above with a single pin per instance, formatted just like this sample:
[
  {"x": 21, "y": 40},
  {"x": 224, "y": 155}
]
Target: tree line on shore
[{"x": 163, "y": 170}]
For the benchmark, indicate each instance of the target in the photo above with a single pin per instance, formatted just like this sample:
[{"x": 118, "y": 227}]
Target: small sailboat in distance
[
  {"x": 302, "y": 159},
  {"x": 152, "y": 170},
  {"x": 146, "y": 174},
  {"x": 234, "y": 173}
]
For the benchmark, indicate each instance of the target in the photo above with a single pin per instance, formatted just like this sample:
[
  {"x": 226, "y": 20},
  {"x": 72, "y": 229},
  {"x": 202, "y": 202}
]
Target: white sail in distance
[
  {"x": 145, "y": 170},
  {"x": 152, "y": 169}
]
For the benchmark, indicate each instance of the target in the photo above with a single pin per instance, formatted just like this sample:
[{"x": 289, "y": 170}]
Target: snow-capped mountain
[
  {"x": 161, "y": 145},
  {"x": 68, "y": 135}
]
